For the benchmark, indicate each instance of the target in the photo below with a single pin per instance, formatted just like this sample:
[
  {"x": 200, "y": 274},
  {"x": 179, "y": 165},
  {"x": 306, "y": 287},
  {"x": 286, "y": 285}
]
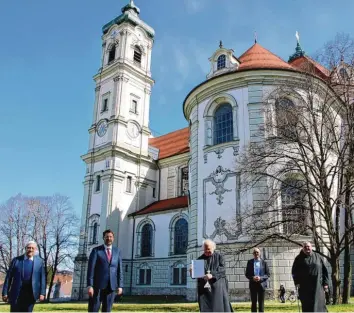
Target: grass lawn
[{"x": 127, "y": 306}]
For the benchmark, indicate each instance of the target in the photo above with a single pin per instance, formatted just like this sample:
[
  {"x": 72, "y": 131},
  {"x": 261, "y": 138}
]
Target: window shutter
[
  {"x": 176, "y": 276},
  {"x": 141, "y": 276},
  {"x": 148, "y": 276},
  {"x": 184, "y": 276}
]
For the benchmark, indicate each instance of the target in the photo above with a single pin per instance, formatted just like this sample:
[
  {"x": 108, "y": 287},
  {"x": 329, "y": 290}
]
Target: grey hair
[
  {"x": 305, "y": 243},
  {"x": 209, "y": 242},
  {"x": 31, "y": 242}
]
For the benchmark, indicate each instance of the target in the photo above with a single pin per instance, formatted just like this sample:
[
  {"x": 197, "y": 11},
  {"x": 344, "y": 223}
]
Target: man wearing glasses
[
  {"x": 257, "y": 272},
  {"x": 25, "y": 281}
]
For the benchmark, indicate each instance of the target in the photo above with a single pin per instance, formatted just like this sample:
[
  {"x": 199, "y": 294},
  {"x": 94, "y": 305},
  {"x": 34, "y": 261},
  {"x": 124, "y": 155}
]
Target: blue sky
[{"x": 51, "y": 49}]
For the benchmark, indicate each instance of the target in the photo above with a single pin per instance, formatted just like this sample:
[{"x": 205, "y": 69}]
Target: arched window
[
  {"x": 286, "y": 118},
  {"x": 144, "y": 275},
  {"x": 146, "y": 240},
  {"x": 343, "y": 74},
  {"x": 180, "y": 236},
  {"x": 94, "y": 228},
  {"x": 293, "y": 204},
  {"x": 223, "y": 124},
  {"x": 137, "y": 55},
  {"x": 94, "y": 233},
  {"x": 112, "y": 54},
  {"x": 221, "y": 63},
  {"x": 179, "y": 274}
]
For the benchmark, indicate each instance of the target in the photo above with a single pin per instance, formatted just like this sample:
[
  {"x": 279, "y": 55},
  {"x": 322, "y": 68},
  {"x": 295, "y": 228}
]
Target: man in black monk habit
[
  {"x": 311, "y": 279},
  {"x": 257, "y": 272},
  {"x": 213, "y": 287}
]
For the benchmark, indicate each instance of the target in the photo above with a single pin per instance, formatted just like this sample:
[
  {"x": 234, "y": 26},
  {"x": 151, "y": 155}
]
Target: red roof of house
[
  {"x": 258, "y": 57},
  {"x": 164, "y": 205},
  {"x": 306, "y": 63},
  {"x": 171, "y": 144}
]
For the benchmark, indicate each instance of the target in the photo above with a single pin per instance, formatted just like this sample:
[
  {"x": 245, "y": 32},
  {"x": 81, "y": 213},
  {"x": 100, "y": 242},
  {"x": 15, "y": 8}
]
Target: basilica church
[{"x": 162, "y": 196}]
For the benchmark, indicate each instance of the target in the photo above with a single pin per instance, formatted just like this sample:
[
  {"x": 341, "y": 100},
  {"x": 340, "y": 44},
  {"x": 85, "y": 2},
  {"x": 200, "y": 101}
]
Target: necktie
[{"x": 109, "y": 256}]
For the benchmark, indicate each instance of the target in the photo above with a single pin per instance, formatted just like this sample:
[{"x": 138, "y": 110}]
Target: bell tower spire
[{"x": 298, "y": 50}]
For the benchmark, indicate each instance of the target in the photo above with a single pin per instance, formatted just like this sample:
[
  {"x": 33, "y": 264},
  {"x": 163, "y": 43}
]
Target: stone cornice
[
  {"x": 158, "y": 213},
  {"x": 119, "y": 119},
  {"x": 109, "y": 150},
  {"x": 122, "y": 66},
  {"x": 106, "y": 175},
  {"x": 238, "y": 79},
  {"x": 174, "y": 160}
]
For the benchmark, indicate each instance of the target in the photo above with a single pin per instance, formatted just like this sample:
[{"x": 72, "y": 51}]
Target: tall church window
[
  {"x": 184, "y": 181},
  {"x": 129, "y": 184},
  {"x": 343, "y": 74},
  {"x": 112, "y": 54},
  {"x": 144, "y": 275},
  {"x": 146, "y": 240},
  {"x": 293, "y": 203},
  {"x": 134, "y": 106},
  {"x": 105, "y": 105},
  {"x": 223, "y": 124},
  {"x": 221, "y": 63},
  {"x": 179, "y": 274},
  {"x": 286, "y": 118},
  {"x": 94, "y": 233},
  {"x": 178, "y": 234},
  {"x": 181, "y": 236},
  {"x": 137, "y": 54},
  {"x": 98, "y": 183},
  {"x": 94, "y": 228}
]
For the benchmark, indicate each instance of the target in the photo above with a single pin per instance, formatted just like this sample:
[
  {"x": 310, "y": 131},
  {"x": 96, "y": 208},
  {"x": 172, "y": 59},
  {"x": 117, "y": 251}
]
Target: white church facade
[{"x": 163, "y": 196}]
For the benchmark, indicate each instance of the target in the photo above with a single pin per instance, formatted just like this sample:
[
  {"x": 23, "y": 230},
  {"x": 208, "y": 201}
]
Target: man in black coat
[
  {"x": 311, "y": 279},
  {"x": 257, "y": 272},
  {"x": 213, "y": 288}
]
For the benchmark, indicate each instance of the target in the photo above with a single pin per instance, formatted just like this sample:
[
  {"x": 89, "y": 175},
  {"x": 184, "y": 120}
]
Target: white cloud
[{"x": 194, "y": 6}]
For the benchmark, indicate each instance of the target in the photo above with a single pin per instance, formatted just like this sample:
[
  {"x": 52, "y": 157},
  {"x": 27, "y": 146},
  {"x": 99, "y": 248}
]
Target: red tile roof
[
  {"x": 171, "y": 144},
  {"x": 258, "y": 57},
  {"x": 164, "y": 205},
  {"x": 306, "y": 63}
]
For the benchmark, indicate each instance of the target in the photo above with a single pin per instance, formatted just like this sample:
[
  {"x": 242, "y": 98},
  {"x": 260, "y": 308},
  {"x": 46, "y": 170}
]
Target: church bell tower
[{"x": 117, "y": 158}]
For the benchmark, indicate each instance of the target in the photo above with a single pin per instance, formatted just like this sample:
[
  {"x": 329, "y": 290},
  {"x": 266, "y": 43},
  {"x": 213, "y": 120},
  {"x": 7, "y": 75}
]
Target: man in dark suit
[
  {"x": 25, "y": 281},
  {"x": 104, "y": 274},
  {"x": 257, "y": 272}
]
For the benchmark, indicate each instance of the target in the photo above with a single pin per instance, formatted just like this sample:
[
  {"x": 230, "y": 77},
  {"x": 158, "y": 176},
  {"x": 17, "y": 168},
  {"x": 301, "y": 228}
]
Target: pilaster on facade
[{"x": 193, "y": 183}]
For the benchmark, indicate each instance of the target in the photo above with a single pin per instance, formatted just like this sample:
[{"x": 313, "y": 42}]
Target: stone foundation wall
[{"x": 161, "y": 277}]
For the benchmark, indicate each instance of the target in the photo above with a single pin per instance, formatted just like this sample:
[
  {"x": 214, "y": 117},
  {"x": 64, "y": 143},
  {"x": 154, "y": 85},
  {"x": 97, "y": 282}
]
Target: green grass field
[{"x": 270, "y": 306}]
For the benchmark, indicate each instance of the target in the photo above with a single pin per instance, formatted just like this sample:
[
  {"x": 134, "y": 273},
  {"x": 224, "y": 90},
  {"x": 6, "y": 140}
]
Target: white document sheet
[{"x": 198, "y": 269}]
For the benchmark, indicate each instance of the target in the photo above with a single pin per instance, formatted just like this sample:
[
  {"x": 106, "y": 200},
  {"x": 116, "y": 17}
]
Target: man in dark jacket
[
  {"x": 257, "y": 272},
  {"x": 311, "y": 279},
  {"x": 104, "y": 274},
  {"x": 25, "y": 281}
]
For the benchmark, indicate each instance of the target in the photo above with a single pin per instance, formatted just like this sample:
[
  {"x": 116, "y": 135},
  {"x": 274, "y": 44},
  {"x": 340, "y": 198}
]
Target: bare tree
[
  {"x": 302, "y": 157},
  {"x": 50, "y": 221},
  {"x": 15, "y": 223},
  {"x": 56, "y": 234}
]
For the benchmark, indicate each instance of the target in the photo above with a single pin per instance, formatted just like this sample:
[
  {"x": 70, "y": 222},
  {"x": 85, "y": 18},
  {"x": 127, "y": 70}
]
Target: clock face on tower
[
  {"x": 102, "y": 128},
  {"x": 133, "y": 130}
]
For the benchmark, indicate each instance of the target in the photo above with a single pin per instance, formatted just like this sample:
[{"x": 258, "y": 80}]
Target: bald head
[
  {"x": 307, "y": 247},
  {"x": 209, "y": 247}
]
